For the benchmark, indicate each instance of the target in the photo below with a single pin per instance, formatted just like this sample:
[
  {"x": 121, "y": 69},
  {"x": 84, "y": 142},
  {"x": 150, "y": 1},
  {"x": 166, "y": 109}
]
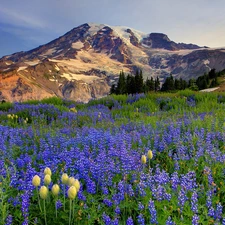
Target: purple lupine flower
[
  {"x": 25, "y": 222},
  {"x": 59, "y": 204},
  {"x": 141, "y": 219},
  {"x": 105, "y": 191},
  {"x": 194, "y": 202},
  {"x": 195, "y": 220},
  {"x": 117, "y": 210},
  {"x": 219, "y": 211},
  {"x": 182, "y": 198},
  {"x": 81, "y": 196},
  {"x": 106, "y": 219},
  {"x": 223, "y": 221},
  {"x": 209, "y": 199},
  {"x": 141, "y": 189},
  {"x": 175, "y": 180},
  {"x": 25, "y": 204},
  {"x": 153, "y": 213},
  {"x": 169, "y": 221},
  {"x": 158, "y": 193},
  {"x": 211, "y": 212},
  {"x": 115, "y": 221},
  {"x": 130, "y": 190},
  {"x": 129, "y": 221},
  {"x": 91, "y": 186},
  {"x": 168, "y": 196},
  {"x": 107, "y": 202},
  {"x": 141, "y": 206},
  {"x": 188, "y": 180},
  {"x": 9, "y": 220}
]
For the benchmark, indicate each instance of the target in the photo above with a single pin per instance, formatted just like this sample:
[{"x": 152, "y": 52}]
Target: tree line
[{"x": 132, "y": 84}]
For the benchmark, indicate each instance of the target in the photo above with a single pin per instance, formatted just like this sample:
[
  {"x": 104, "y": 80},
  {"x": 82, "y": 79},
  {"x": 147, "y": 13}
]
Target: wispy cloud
[{"x": 21, "y": 19}]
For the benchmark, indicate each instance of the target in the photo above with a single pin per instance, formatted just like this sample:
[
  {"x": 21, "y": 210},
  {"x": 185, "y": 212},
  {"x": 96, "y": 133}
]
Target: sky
[{"x": 26, "y": 24}]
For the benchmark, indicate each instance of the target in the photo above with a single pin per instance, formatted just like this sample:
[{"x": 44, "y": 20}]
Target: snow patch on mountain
[
  {"x": 95, "y": 59},
  {"x": 119, "y": 31},
  {"x": 94, "y": 28},
  {"x": 32, "y": 63},
  {"x": 77, "y": 45},
  {"x": 49, "y": 52},
  {"x": 57, "y": 68},
  {"x": 8, "y": 63},
  {"x": 206, "y": 62},
  {"x": 21, "y": 68},
  {"x": 82, "y": 77}
]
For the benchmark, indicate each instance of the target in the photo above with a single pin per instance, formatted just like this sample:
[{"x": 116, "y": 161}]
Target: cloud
[{"x": 10, "y": 16}]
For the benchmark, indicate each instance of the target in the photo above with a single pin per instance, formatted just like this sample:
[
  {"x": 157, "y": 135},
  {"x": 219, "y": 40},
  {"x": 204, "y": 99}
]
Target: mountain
[{"x": 86, "y": 61}]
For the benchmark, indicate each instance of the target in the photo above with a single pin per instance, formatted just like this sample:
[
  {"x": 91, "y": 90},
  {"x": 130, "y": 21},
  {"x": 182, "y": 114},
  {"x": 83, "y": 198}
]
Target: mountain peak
[
  {"x": 84, "y": 63},
  {"x": 159, "y": 36}
]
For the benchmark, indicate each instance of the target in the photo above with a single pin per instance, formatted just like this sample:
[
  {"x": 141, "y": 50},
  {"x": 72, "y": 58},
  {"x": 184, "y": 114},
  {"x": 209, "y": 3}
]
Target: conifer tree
[
  {"x": 113, "y": 89},
  {"x": 149, "y": 85},
  {"x": 139, "y": 81},
  {"x": 130, "y": 84},
  {"x": 121, "y": 85},
  {"x": 157, "y": 84}
]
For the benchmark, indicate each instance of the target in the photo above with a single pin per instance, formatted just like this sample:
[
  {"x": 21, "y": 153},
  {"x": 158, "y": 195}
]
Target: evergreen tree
[
  {"x": 201, "y": 82},
  {"x": 192, "y": 85},
  {"x": 177, "y": 84},
  {"x": 130, "y": 84},
  {"x": 169, "y": 84},
  {"x": 113, "y": 89},
  {"x": 212, "y": 73},
  {"x": 157, "y": 84},
  {"x": 184, "y": 84},
  {"x": 139, "y": 82},
  {"x": 121, "y": 85},
  {"x": 150, "y": 84},
  {"x": 146, "y": 85}
]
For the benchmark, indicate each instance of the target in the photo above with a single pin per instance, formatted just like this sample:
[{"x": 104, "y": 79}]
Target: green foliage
[
  {"x": 53, "y": 101},
  {"x": 5, "y": 106},
  {"x": 5, "y": 194}
]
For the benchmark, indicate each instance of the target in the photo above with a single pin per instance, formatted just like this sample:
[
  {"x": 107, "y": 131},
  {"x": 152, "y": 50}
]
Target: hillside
[{"x": 86, "y": 61}]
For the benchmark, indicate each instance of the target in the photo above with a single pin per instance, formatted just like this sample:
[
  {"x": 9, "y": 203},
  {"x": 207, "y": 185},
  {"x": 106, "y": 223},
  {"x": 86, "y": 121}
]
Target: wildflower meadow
[{"x": 127, "y": 159}]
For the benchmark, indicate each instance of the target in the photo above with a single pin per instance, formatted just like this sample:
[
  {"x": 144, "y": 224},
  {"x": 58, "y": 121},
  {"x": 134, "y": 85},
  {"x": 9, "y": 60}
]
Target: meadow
[{"x": 144, "y": 159}]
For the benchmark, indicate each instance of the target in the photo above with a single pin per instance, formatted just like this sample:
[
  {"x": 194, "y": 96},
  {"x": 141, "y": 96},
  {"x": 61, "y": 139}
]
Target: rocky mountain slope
[{"x": 83, "y": 63}]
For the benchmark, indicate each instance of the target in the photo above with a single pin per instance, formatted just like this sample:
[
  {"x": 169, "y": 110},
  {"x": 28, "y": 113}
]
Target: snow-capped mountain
[{"x": 83, "y": 63}]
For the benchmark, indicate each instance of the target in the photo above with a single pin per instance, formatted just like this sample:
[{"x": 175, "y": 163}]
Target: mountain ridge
[{"x": 89, "y": 58}]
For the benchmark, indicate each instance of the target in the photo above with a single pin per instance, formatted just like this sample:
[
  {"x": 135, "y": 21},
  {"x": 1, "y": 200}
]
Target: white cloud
[{"x": 13, "y": 17}]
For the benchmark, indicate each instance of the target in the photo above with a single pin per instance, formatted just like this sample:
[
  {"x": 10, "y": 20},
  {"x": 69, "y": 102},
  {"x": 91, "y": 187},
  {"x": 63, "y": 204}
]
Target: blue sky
[{"x": 26, "y": 24}]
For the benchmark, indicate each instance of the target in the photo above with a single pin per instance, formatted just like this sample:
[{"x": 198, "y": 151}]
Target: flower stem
[
  {"x": 73, "y": 210},
  {"x": 56, "y": 208},
  {"x": 64, "y": 197},
  {"x": 45, "y": 213},
  {"x": 70, "y": 211},
  {"x": 38, "y": 199}
]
